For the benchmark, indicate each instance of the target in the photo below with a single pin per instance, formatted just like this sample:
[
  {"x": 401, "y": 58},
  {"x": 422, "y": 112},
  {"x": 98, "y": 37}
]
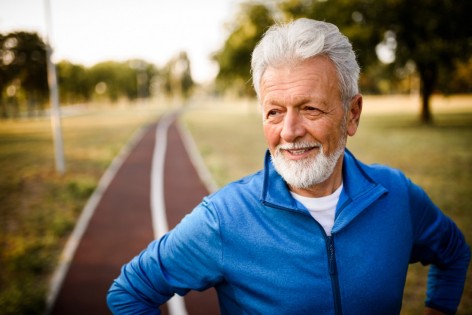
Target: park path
[{"x": 120, "y": 225}]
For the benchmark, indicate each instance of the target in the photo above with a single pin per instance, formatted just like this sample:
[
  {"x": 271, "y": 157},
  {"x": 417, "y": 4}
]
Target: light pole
[{"x": 54, "y": 97}]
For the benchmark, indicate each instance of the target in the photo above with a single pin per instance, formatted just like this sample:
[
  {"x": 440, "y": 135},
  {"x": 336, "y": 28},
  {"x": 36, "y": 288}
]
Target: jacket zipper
[{"x": 333, "y": 273}]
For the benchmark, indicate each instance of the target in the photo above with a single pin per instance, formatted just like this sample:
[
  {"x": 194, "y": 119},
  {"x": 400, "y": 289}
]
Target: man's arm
[
  {"x": 142, "y": 286},
  {"x": 188, "y": 257},
  {"x": 439, "y": 243}
]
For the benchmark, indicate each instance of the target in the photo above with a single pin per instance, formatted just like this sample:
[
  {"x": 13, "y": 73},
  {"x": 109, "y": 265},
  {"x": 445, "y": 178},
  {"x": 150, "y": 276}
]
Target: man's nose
[{"x": 292, "y": 127}]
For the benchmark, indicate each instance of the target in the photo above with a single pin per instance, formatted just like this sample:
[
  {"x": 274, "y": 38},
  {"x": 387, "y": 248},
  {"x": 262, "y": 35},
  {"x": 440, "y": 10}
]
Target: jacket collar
[
  {"x": 275, "y": 192},
  {"x": 359, "y": 191}
]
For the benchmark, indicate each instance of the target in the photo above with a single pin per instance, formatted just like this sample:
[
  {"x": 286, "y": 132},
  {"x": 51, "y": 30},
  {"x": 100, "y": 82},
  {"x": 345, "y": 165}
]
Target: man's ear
[{"x": 354, "y": 114}]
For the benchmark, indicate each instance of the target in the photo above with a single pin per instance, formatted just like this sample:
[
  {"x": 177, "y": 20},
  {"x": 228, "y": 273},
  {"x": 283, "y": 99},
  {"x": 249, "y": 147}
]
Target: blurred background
[{"x": 120, "y": 64}]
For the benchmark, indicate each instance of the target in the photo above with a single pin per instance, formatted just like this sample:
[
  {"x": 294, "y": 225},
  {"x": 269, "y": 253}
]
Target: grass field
[
  {"x": 38, "y": 207},
  {"x": 437, "y": 157}
]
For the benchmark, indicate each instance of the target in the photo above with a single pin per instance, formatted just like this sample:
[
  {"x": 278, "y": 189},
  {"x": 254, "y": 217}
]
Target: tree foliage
[
  {"x": 106, "y": 80},
  {"x": 430, "y": 38},
  {"x": 177, "y": 77},
  {"x": 234, "y": 58},
  {"x": 23, "y": 77},
  {"x": 22, "y": 68},
  {"x": 120, "y": 79},
  {"x": 74, "y": 83},
  {"x": 23, "y": 57}
]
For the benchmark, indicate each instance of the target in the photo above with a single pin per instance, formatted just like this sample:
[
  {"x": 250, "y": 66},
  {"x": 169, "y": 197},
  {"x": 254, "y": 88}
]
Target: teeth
[
  {"x": 297, "y": 152},
  {"x": 296, "y": 149}
]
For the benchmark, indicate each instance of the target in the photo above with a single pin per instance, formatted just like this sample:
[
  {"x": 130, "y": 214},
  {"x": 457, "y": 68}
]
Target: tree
[
  {"x": 74, "y": 83},
  {"x": 144, "y": 73},
  {"x": 121, "y": 79},
  {"x": 234, "y": 58},
  {"x": 432, "y": 34},
  {"x": 177, "y": 76},
  {"x": 461, "y": 82},
  {"x": 23, "y": 62}
]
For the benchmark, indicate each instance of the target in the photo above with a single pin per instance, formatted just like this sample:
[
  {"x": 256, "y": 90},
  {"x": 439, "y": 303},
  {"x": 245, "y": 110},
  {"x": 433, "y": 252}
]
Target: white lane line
[
  {"x": 73, "y": 241},
  {"x": 196, "y": 159},
  {"x": 176, "y": 304}
]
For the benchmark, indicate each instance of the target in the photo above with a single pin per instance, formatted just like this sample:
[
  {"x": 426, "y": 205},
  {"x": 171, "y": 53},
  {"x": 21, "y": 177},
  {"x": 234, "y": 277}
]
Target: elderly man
[{"x": 316, "y": 231}]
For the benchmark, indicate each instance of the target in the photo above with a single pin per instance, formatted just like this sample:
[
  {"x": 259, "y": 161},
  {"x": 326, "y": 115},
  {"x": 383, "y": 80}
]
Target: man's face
[{"x": 304, "y": 122}]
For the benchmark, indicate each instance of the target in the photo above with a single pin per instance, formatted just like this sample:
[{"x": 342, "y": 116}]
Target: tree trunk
[
  {"x": 428, "y": 77},
  {"x": 425, "y": 114}
]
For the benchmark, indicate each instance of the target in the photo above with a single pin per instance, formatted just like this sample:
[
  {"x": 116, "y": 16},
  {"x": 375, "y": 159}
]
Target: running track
[{"x": 118, "y": 222}]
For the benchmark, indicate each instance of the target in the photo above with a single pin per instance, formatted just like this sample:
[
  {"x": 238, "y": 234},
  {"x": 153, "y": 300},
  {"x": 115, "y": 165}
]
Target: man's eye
[
  {"x": 272, "y": 113},
  {"x": 310, "y": 108}
]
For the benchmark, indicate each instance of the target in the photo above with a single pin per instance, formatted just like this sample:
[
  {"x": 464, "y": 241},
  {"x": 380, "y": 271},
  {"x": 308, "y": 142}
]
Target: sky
[{"x": 90, "y": 31}]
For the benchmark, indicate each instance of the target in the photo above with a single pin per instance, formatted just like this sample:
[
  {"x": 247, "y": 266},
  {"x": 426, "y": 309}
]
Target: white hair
[{"x": 303, "y": 39}]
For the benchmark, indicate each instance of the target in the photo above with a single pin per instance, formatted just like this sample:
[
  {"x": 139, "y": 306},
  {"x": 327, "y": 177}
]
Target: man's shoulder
[
  {"x": 383, "y": 170},
  {"x": 247, "y": 185},
  {"x": 236, "y": 201},
  {"x": 379, "y": 172}
]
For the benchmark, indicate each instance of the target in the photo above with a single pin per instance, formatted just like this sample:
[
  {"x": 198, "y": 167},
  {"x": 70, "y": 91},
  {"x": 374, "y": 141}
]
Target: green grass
[
  {"x": 39, "y": 207},
  {"x": 436, "y": 157}
]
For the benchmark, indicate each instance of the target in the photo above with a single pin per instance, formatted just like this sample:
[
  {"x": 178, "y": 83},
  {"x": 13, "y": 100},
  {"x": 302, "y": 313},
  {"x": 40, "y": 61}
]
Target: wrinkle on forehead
[{"x": 284, "y": 83}]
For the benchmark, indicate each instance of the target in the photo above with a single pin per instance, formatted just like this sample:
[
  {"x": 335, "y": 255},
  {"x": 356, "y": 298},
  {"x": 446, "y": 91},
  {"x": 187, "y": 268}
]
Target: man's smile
[{"x": 298, "y": 151}]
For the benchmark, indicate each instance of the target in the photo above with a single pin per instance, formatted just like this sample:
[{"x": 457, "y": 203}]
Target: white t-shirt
[{"x": 322, "y": 209}]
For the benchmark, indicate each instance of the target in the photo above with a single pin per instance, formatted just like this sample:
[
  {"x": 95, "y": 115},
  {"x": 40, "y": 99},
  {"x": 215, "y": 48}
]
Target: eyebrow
[{"x": 297, "y": 100}]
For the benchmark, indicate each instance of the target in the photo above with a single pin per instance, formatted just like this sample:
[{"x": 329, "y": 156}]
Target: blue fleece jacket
[{"x": 265, "y": 254}]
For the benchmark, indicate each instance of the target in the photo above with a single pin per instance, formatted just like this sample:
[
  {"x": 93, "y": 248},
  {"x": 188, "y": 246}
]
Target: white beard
[{"x": 303, "y": 174}]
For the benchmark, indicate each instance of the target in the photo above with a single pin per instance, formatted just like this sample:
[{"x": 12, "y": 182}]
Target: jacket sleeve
[
  {"x": 438, "y": 242},
  {"x": 186, "y": 258}
]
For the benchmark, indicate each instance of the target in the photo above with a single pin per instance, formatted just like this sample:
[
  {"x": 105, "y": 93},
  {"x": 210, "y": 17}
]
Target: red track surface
[{"x": 121, "y": 227}]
